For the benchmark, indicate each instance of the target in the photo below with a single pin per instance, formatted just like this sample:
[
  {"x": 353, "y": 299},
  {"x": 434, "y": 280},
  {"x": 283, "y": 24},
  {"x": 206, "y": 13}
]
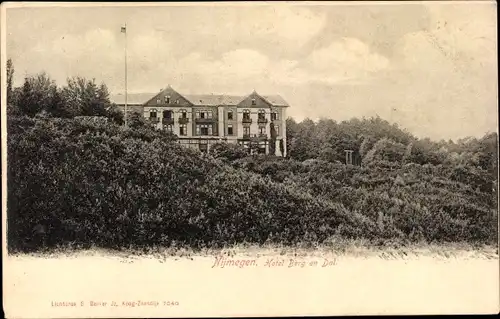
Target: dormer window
[
  {"x": 177, "y": 101},
  {"x": 158, "y": 101},
  {"x": 167, "y": 99},
  {"x": 253, "y": 102}
]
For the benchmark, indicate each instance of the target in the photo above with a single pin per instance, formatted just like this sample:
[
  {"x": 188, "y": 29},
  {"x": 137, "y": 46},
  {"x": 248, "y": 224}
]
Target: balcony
[
  {"x": 246, "y": 120},
  {"x": 205, "y": 120},
  {"x": 262, "y": 120},
  {"x": 167, "y": 120},
  {"x": 255, "y": 137},
  {"x": 183, "y": 120},
  {"x": 262, "y": 137}
]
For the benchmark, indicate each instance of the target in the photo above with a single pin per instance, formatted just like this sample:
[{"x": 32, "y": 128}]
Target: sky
[{"x": 429, "y": 67}]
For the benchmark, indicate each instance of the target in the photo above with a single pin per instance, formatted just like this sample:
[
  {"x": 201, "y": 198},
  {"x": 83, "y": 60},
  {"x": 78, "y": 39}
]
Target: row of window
[
  {"x": 206, "y": 129},
  {"x": 201, "y": 129},
  {"x": 168, "y": 114},
  {"x": 182, "y": 129}
]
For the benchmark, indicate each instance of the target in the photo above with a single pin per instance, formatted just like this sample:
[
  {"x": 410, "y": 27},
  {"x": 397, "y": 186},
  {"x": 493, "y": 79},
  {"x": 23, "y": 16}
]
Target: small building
[{"x": 202, "y": 120}]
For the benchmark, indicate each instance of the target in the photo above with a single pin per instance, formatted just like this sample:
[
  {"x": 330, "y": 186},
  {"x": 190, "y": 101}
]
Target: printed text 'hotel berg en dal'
[{"x": 202, "y": 120}]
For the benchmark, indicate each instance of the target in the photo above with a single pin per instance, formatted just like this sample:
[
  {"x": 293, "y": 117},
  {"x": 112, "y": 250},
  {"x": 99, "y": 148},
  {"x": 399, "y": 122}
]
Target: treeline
[
  {"x": 376, "y": 140},
  {"x": 40, "y": 95}
]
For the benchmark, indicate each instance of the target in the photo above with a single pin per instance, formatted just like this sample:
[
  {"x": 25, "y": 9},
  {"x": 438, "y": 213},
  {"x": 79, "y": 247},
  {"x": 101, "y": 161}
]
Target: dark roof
[
  {"x": 213, "y": 99},
  {"x": 275, "y": 100},
  {"x": 132, "y": 98},
  {"x": 131, "y": 108},
  {"x": 196, "y": 99}
]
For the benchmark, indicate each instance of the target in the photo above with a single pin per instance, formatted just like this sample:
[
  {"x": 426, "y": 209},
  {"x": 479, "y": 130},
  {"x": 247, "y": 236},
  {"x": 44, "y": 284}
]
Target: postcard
[{"x": 249, "y": 159}]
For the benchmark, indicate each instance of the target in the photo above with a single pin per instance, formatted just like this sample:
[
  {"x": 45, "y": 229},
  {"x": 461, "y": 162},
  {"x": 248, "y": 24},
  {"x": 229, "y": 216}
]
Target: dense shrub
[
  {"x": 86, "y": 182},
  {"x": 228, "y": 151},
  {"x": 94, "y": 183}
]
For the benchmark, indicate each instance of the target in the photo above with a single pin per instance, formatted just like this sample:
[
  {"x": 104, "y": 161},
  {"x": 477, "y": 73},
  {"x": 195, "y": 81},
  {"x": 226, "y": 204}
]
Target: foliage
[
  {"x": 40, "y": 94},
  {"x": 77, "y": 177},
  {"x": 90, "y": 183},
  {"x": 228, "y": 151}
]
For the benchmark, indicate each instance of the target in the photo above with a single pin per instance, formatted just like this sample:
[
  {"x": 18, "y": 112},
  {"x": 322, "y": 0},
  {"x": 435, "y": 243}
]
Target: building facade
[{"x": 253, "y": 121}]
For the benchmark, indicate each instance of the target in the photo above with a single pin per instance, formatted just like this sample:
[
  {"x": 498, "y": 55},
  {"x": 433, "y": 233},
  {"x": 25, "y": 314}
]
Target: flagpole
[{"x": 126, "y": 114}]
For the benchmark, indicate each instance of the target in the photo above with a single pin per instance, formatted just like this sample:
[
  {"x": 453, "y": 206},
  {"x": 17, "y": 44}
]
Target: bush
[
  {"x": 81, "y": 183},
  {"x": 228, "y": 151}
]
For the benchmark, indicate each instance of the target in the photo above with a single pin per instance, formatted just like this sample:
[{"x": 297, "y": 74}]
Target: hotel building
[{"x": 202, "y": 120}]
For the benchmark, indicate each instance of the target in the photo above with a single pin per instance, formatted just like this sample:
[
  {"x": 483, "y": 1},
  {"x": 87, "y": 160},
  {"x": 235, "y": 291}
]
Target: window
[
  {"x": 246, "y": 130},
  {"x": 277, "y": 130},
  {"x": 274, "y": 116},
  {"x": 167, "y": 99},
  {"x": 262, "y": 115},
  {"x": 183, "y": 130},
  {"x": 177, "y": 101},
  {"x": 262, "y": 130},
  {"x": 229, "y": 129},
  {"x": 167, "y": 114},
  {"x": 183, "y": 114},
  {"x": 230, "y": 115},
  {"x": 203, "y": 114},
  {"x": 203, "y": 129},
  {"x": 246, "y": 114},
  {"x": 152, "y": 113},
  {"x": 253, "y": 102},
  {"x": 158, "y": 101},
  {"x": 168, "y": 128}
]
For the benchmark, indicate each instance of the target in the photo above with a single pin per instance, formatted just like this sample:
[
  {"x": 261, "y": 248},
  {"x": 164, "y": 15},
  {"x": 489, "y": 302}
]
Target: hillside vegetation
[
  {"x": 74, "y": 182},
  {"x": 100, "y": 184}
]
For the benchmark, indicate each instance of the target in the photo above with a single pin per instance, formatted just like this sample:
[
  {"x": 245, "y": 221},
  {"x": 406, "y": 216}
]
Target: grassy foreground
[{"x": 339, "y": 248}]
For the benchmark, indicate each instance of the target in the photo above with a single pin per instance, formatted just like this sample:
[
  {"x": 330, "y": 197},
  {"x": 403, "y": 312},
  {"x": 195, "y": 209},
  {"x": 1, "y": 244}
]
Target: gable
[
  {"x": 168, "y": 97},
  {"x": 260, "y": 102}
]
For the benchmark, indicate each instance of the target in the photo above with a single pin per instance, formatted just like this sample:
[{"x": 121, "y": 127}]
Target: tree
[
  {"x": 228, "y": 151},
  {"x": 115, "y": 114},
  {"x": 38, "y": 93},
  {"x": 385, "y": 150},
  {"x": 136, "y": 120},
  {"x": 10, "y": 76},
  {"x": 83, "y": 97},
  {"x": 366, "y": 145}
]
